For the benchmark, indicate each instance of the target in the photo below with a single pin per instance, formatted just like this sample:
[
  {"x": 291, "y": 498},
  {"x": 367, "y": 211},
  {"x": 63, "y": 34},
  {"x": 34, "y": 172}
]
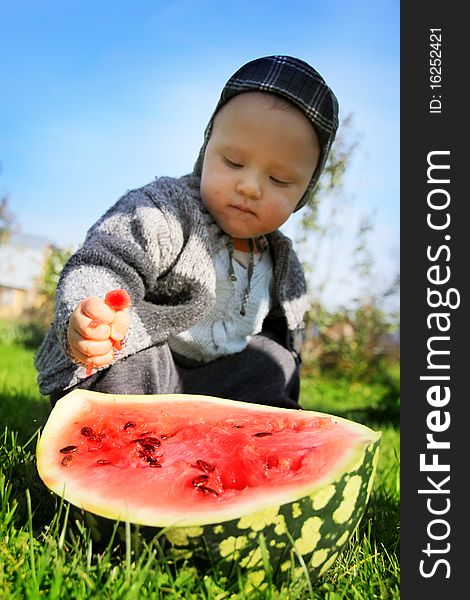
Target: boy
[{"x": 217, "y": 291}]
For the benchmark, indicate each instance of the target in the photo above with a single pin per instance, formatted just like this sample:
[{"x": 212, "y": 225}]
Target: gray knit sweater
[{"x": 157, "y": 242}]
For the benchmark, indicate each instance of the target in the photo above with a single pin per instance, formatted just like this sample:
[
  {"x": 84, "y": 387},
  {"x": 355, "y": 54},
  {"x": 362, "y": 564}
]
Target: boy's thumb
[{"x": 120, "y": 325}]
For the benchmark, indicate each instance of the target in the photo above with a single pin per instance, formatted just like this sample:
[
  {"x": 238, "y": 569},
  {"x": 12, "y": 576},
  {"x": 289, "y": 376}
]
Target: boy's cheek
[{"x": 213, "y": 192}]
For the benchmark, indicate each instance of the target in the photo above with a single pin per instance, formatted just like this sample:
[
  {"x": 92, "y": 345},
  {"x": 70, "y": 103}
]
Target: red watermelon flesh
[
  {"x": 118, "y": 299},
  {"x": 183, "y": 459}
]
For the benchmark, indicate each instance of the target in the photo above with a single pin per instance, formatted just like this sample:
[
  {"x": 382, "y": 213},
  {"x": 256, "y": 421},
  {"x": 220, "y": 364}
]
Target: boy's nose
[{"x": 249, "y": 186}]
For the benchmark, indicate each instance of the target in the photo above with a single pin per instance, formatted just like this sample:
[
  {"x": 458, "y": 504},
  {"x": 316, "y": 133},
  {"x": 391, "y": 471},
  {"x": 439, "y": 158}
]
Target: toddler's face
[{"x": 258, "y": 163}]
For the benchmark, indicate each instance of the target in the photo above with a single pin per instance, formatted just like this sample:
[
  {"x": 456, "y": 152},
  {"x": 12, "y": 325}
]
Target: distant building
[{"x": 21, "y": 263}]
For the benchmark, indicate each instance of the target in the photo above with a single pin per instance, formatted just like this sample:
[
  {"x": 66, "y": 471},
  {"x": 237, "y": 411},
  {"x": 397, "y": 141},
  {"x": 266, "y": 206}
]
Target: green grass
[
  {"x": 46, "y": 550},
  {"x": 22, "y": 408}
]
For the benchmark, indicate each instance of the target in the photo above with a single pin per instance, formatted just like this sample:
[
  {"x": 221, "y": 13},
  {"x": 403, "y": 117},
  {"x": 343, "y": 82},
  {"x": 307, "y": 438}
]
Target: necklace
[{"x": 254, "y": 245}]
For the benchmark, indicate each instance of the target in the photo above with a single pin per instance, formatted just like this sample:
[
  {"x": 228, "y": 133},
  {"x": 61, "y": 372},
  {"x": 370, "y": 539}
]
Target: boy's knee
[{"x": 270, "y": 354}]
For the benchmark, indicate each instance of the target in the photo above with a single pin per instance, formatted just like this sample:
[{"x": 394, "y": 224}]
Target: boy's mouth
[{"x": 242, "y": 208}]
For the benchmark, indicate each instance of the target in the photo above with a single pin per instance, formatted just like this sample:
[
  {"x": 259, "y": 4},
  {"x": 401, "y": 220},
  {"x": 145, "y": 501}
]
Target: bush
[
  {"x": 359, "y": 344},
  {"x": 25, "y": 333}
]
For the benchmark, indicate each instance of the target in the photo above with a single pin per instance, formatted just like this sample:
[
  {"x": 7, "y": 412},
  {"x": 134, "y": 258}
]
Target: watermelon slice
[{"x": 213, "y": 472}]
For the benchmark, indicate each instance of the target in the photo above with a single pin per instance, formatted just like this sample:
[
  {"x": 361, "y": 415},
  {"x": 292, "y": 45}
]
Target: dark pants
[{"x": 264, "y": 373}]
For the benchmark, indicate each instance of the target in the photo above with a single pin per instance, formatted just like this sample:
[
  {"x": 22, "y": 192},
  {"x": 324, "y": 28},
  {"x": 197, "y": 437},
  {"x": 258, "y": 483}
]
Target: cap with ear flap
[{"x": 300, "y": 83}]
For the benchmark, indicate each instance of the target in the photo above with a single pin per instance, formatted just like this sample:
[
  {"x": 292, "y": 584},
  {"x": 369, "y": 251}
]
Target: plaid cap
[{"x": 300, "y": 83}]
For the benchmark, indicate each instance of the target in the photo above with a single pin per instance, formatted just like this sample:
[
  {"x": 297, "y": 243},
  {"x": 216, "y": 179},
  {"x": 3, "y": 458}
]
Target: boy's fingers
[
  {"x": 120, "y": 326},
  {"x": 96, "y": 331},
  {"x": 94, "y": 349},
  {"x": 84, "y": 347},
  {"x": 98, "y": 360},
  {"x": 97, "y": 310},
  {"x": 84, "y": 327}
]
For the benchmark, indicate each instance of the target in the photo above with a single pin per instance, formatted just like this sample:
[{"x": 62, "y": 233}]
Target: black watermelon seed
[
  {"x": 129, "y": 425},
  {"x": 154, "y": 464},
  {"x": 68, "y": 449},
  {"x": 202, "y": 465},
  {"x": 87, "y": 431},
  {"x": 263, "y": 434},
  {"x": 67, "y": 460},
  {"x": 147, "y": 441},
  {"x": 151, "y": 460},
  {"x": 103, "y": 461},
  {"x": 151, "y": 440},
  {"x": 95, "y": 437},
  {"x": 200, "y": 480},
  {"x": 207, "y": 490}
]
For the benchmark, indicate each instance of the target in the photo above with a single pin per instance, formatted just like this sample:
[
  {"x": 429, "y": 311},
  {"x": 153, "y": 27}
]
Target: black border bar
[{"x": 435, "y": 329}]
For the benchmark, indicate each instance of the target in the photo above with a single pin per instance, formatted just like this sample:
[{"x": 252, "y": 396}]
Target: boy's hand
[{"x": 94, "y": 328}]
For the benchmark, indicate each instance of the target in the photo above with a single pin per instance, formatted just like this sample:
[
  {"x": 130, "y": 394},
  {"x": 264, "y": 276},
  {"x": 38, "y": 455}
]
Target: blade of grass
[
  {"x": 128, "y": 550},
  {"x": 32, "y": 558},
  {"x": 64, "y": 527},
  {"x": 304, "y": 567}
]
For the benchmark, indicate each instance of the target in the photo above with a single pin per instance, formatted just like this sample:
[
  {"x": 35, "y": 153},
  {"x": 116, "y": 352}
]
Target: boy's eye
[
  {"x": 279, "y": 181},
  {"x": 232, "y": 163}
]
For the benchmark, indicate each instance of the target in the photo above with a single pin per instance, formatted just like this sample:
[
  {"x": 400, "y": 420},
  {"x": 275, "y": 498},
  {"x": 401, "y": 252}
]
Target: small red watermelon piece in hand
[{"x": 118, "y": 299}]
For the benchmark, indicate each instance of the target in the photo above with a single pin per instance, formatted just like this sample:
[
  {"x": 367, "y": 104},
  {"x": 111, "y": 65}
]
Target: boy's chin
[
  {"x": 238, "y": 230},
  {"x": 240, "y": 235}
]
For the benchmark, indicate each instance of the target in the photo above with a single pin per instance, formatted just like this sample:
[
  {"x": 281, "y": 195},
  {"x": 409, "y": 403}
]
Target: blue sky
[{"x": 100, "y": 97}]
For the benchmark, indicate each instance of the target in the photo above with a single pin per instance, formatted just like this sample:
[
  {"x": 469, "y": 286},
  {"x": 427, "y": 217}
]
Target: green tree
[
  {"x": 314, "y": 237},
  {"x": 348, "y": 341},
  {"x": 38, "y": 318},
  {"x": 7, "y": 220},
  {"x": 323, "y": 243},
  {"x": 55, "y": 260}
]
